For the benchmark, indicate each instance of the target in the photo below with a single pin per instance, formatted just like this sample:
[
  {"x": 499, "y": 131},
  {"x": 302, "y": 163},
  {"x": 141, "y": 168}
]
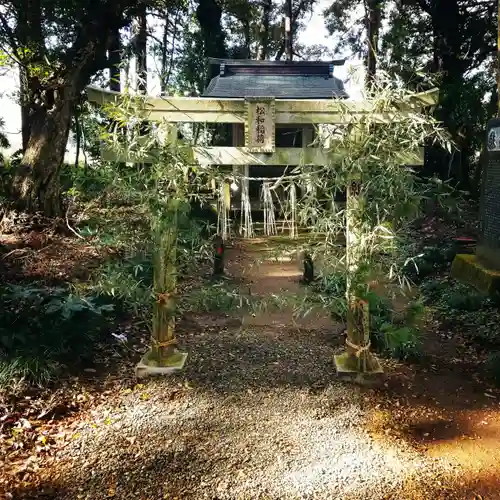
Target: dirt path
[
  {"x": 260, "y": 413},
  {"x": 269, "y": 273}
]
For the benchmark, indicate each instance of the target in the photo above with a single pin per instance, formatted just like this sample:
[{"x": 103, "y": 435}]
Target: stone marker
[
  {"x": 482, "y": 270},
  {"x": 488, "y": 249}
]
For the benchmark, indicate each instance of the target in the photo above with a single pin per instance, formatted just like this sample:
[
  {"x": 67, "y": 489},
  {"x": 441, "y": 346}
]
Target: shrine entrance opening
[{"x": 263, "y": 198}]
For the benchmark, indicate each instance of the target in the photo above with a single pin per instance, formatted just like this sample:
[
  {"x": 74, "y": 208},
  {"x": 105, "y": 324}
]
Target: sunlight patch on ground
[
  {"x": 474, "y": 434},
  {"x": 287, "y": 443},
  {"x": 337, "y": 458},
  {"x": 281, "y": 273}
]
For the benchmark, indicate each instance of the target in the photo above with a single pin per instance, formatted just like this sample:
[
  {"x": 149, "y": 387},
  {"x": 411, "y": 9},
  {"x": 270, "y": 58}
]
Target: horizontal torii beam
[
  {"x": 288, "y": 111},
  {"x": 225, "y": 155}
]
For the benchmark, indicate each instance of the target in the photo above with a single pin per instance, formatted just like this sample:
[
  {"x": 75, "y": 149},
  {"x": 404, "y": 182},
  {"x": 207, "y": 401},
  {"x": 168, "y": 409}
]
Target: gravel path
[
  {"x": 271, "y": 421},
  {"x": 258, "y": 413},
  {"x": 279, "y": 443}
]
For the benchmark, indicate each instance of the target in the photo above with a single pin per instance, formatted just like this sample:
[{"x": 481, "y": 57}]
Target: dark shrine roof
[{"x": 279, "y": 79}]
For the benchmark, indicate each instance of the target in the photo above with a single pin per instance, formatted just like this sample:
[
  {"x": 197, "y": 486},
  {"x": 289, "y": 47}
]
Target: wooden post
[
  {"x": 357, "y": 358},
  {"x": 218, "y": 256}
]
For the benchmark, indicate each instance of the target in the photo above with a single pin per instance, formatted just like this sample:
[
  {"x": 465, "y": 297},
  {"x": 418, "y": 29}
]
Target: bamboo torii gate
[
  {"x": 176, "y": 110},
  {"x": 261, "y": 115}
]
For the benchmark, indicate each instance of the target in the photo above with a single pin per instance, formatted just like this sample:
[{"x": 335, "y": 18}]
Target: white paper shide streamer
[
  {"x": 269, "y": 211},
  {"x": 246, "y": 208},
  {"x": 223, "y": 207},
  {"x": 293, "y": 210}
]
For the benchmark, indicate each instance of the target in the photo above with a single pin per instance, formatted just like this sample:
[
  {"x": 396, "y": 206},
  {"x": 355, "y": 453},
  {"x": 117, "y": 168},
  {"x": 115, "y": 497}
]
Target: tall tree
[
  {"x": 451, "y": 39},
  {"x": 295, "y": 11},
  {"x": 141, "y": 50},
  {"x": 165, "y": 49},
  {"x": 373, "y": 18},
  {"x": 115, "y": 60},
  {"x": 209, "y": 16},
  {"x": 459, "y": 37},
  {"x": 59, "y": 46},
  {"x": 264, "y": 29},
  {"x": 242, "y": 21}
]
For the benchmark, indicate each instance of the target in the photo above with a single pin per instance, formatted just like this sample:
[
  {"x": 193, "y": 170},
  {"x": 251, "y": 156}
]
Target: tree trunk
[
  {"x": 30, "y": 32},
  {"x": 209, "y": 16},
  {"x": 36, "y": 185},
  {"x": 247, "y": 37},
  {"x": 25, "y": 107},
  {"x": 448, "y": 61},
  {"x": 264, "y": 30},
  {"x": 289, "y": 33},
  {"x": 115, "y": 59},
  {"x": 169, "y": 61},
  {"x": 141, "y": 51},
  {"x": 164, "y": 58},
  {"x": 373, "y": 28}
]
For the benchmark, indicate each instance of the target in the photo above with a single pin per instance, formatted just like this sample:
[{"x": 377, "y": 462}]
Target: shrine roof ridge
[
  {"x": 253, "y": 62},
  {"x": 278, "y": 86}
]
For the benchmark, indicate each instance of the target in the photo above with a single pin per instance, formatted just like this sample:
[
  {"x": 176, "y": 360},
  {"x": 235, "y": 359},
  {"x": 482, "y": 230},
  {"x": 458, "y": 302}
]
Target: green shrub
[
  {"x": 452, "y": 296},
  {"x": 217, "y": 297},
  {"x": 46, "y": 328},
  {"x": 403, "y": 342},
  {"x": 333, "y": 284},
  {"x": 430, "y": 260},
  {"x": 460, "y": 301},
  {"x": 128, "y": 281},
  {"x": 396, "y": 335},
  {"x": 331, "y": 290}
]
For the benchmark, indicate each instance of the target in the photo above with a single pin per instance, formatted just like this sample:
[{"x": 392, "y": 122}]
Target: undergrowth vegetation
[
  {"x": 394, "y": 331},
  {"x": 459, "y": 308},
  {"x": 46, "y": 331},
  {"x": 51, "y": 331}
]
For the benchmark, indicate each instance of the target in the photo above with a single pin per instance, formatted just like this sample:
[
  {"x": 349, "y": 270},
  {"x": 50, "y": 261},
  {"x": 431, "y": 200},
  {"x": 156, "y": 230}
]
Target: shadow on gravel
[
  {"x": 445, "y": 414},
  {"x": 159, "y": 475},
  {"x": 38, "y": 492},
  {"x": 479, "y": 487},
  {"x": 228, "y": 359},
  {"x": 189, "y": 475}
]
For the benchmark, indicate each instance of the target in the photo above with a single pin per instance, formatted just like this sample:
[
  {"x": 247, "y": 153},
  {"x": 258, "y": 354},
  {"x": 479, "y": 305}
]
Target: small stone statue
[{"x": 308, "y": 276}]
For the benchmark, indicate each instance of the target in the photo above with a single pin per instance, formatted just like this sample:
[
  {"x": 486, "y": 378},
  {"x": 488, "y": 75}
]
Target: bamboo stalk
[
  {"x": 357, "y": 357},
  {"x": 165, "y": 287},
  {"x": 354, "y": 332}
]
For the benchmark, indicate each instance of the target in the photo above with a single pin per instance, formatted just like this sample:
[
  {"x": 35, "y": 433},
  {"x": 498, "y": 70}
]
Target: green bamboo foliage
[
  {"x": 160, "y": 182},
  {"x": 383, "y": 198}
]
